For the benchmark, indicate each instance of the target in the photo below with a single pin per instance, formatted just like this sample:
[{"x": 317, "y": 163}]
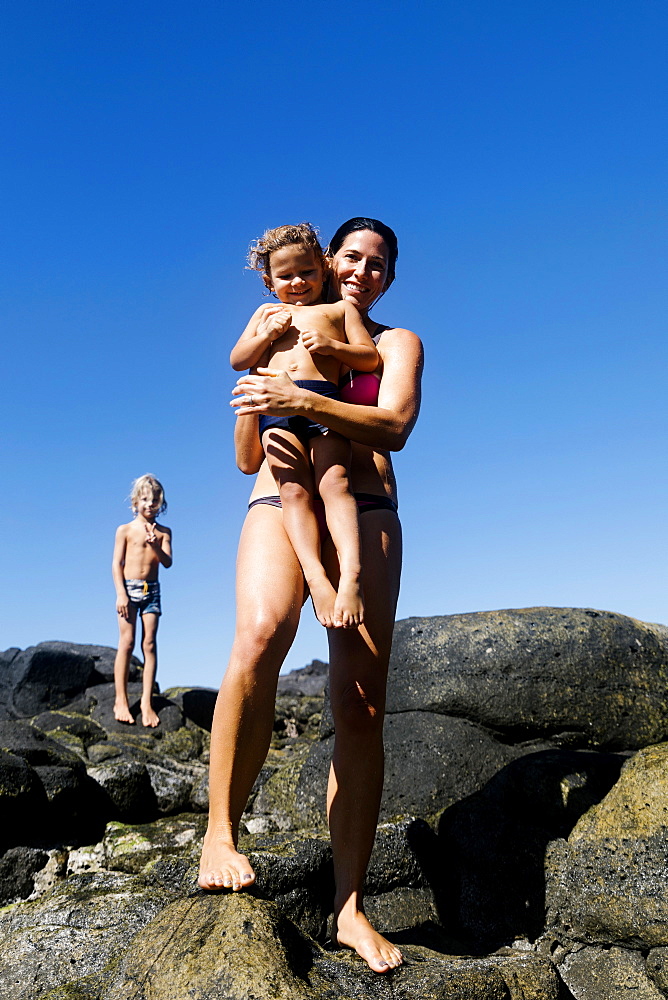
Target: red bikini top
[{"x": 362, "y": 387}]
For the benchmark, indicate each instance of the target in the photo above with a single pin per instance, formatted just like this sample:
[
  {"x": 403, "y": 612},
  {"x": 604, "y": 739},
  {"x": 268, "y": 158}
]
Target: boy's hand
[
  {"x": 151, "y": 536},
  {"x": 316, "y": 342},
  {"x": 122, "y": 605},
  {"x": 274, "y": 323}
]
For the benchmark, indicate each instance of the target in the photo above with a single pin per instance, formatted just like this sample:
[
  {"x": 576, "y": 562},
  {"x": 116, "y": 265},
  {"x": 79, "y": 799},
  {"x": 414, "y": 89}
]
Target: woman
[{"x": 271, "y": 591}]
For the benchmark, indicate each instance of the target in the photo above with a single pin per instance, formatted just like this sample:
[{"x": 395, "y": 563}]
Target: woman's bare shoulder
[{"x": 396, "y": 339}]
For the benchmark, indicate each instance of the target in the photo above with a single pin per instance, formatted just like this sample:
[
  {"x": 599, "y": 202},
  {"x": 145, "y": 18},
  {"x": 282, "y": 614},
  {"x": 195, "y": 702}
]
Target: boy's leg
[
  {"x": 126, "y": 644},
  {"x": 292, "y": 472},
  {"x": 149, "y": 621},
  {"x": 330, "y": 454}
]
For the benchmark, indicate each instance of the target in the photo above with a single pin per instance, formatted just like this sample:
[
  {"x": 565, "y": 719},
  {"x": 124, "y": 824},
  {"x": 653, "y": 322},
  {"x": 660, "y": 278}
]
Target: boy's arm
[
  {"x": 117, "y": 565},
  {"x": 162, "y": 545},
  {"x": 248, "y": 450},
  {"x": 358, "y": 353},
  {"x": 267, "y": 324}
]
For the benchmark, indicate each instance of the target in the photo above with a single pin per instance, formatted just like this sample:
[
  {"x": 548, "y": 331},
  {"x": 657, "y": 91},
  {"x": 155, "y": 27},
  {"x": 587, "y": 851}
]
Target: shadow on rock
[{"x": 486, "y": 864}]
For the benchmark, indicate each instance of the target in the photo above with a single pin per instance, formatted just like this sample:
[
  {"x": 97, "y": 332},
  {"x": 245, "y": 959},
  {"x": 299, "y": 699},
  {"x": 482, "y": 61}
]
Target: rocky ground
[{"x": 521, "y": 854}]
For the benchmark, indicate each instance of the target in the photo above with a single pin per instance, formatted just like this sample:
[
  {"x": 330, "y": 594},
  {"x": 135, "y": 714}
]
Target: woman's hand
[{"x": 267, "y": 391}]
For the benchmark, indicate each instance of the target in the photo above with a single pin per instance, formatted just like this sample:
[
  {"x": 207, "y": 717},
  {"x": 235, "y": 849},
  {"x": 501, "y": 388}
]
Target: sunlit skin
[
  {"x": 141, "y": 547},
  {"x": 270, "y": 590},
  {"x": 312, "y": 340}
]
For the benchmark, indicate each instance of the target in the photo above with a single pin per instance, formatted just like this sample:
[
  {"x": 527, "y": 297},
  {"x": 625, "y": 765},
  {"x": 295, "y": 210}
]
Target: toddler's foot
[
  {"x": 122, "y": 712},
  {"x": 149, "y": 717},
  {"x": 349, "y": 604},
  {"x": 222, "y": 867},
  {"x": 323, "y": 596},
  {"x": 357, "y": 933}
]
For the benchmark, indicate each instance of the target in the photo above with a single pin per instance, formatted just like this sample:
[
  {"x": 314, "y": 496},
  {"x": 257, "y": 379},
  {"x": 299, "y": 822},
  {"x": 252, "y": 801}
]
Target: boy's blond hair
[
  {"x": 303, "y": 234},
  {"x": 148, "y": 483}
]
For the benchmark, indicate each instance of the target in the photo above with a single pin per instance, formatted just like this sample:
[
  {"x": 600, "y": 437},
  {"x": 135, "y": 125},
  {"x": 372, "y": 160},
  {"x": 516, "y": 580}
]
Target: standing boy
[{"x": 141, "y": 546}]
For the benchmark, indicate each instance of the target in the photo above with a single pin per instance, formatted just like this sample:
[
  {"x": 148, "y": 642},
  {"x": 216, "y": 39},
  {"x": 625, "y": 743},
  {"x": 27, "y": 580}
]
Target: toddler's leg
[
  {"x": 126, "y": 644},
  {"x": 292, "y": 471},
  {"x": 149, "y": 621},
  {"x": 330, "y": 454}
]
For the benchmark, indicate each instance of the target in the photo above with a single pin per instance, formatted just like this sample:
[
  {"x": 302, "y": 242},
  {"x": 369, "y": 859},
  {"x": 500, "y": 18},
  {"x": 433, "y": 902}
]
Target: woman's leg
[
  {"x": 358, "y": 676},
  {"x": 149, "y": 624},
  {"x": 330, "y": 455},
  {"x": 126, "y": 644},
  {"x": 291, "y": 469},
  {"x": 270, "y": 593}
]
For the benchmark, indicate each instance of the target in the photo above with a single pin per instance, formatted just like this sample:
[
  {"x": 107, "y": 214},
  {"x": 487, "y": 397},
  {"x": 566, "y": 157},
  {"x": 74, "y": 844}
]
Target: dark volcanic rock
[
  {"x": 49, "y": 675},
  {"x": 607, "y": 882},
  {"x": 431, "y": 762},
  {"x": 588, "y": 678},
  {"x": 171, "y": 716},
  {"x": 196, "y": 703},
  {"x": 310, "y": 680},
  {"x": 17, "y": 867}
]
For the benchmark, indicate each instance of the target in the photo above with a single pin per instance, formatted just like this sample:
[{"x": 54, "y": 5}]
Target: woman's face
[{"x": 359, "y": 268}]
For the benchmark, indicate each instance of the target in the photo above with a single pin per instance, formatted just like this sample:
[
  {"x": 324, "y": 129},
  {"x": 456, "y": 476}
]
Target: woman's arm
[
  {"x": 267, "y": 324},
  {"x": 385, "y": 427},
  {"x": 248, "y": 450}
]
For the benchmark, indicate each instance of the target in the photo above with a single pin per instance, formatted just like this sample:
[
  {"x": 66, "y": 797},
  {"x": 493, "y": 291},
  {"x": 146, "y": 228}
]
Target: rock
[
  {"x": 583, "y": 677},
  {"x": 488, "y": 868},
  {"x": 171, "y": 716},
  {"x": 17, "y": 868},
  {"x": 50, "y": 674},
  {"x": 657, "y": 967},
  {"x": 73, "y": 932},
  {"x": 196, "y": 703},
  {"x": 70, "y": 722},
  {"x": 310, "y": 680},
  {"x": 608, "y": 974},
  {"x": 171, "y": 788},
  {"x": 126, "y": 789},
  {"x": 607, "y": 882},
  {"x": 22, "y": 797},
  {"x": 431, "y": 761}
]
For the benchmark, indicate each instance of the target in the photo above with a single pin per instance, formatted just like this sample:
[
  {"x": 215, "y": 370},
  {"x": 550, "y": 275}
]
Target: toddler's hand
[
  {"x": 274, "y": 323},
  {"x": 316, "y": 342},
  {"x": 122, "y": 605}
]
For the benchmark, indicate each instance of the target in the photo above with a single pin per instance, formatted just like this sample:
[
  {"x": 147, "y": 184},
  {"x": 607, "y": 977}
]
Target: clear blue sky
[{"x": 518, "y": 149}]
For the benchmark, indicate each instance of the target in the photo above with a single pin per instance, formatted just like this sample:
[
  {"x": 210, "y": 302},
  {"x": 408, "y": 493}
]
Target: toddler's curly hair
[{"x": 303, "y": 234}]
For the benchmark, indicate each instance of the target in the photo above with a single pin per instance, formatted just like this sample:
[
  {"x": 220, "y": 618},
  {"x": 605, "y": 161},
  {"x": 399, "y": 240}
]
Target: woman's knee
[
  {"x": 148, "y": 645},
  {"x": 359, "y": 707}
]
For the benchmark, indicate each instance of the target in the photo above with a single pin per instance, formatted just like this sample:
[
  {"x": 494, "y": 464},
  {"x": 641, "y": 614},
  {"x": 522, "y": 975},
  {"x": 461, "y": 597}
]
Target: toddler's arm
[
  {"x": 266, "y": 325},
  {"x": 359, "y": 353},
  {"x": 117, "y": 565}
]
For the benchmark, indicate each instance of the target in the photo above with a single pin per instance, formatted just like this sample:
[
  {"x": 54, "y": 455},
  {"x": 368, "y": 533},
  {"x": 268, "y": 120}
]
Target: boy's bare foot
[
  {"x": 122, "y": 713},
  {"x": 323, "y": 596},
  {"x": 349, "y": 604},
  {"x": 149, "y": 717},
  {"x": 356, "y": 932},
  {"x": 222, "y": 867}
]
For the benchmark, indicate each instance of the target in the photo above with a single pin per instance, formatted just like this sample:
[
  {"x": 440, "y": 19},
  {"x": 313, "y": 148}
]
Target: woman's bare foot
[
  {"x": 323, "y": 596},
  {"x": 349, "y": 604},
  {"x": 356, "y": 932},
  {"x": 222, "y": 867},
  {"x": 149, "y": 717},
  {"x": 122, "y": 712}
]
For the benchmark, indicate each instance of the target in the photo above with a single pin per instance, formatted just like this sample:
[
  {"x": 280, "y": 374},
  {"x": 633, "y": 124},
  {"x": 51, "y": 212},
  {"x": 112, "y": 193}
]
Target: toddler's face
[
  {"x": 296, "y": 275},
  {"x": 147, "y": 504}
]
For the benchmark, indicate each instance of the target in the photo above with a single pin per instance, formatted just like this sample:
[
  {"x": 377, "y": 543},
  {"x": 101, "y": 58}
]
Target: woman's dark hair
[{"x": 357, "y": 225}]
